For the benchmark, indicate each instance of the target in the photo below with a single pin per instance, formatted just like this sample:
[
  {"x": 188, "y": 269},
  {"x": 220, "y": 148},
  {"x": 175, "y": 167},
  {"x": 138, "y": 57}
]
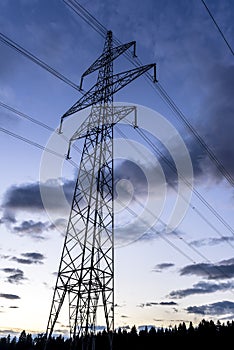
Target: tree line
[{"x": 207, "y": 332}]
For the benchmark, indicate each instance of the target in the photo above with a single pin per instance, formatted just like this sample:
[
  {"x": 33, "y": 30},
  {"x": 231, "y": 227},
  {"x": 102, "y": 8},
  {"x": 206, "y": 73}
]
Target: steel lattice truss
[{"x": 86, "y": 271}]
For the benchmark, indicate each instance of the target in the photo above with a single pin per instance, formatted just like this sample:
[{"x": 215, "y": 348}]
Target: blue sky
[{"x": 162, "y": 278}]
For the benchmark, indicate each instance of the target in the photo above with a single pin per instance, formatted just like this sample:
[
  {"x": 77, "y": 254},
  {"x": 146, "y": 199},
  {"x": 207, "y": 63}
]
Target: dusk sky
[{"x": 162, "y": 276}]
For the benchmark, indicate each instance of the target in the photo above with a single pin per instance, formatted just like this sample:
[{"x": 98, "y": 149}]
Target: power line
[
  {"x": 25, "y": 116},
  {"x": 35, "y": 121},
  {"x": 174, "y": 246},
  {"x": 164, "y": 224},
  {"x": 187, "y": 183},
  {"x": 199, "y": 196},
  {"x": 36, "y": 60},
  {"x": 91, "y": 20},
  {"x": 100, "y": 29},
  {"x": 218, "y": 27},
  {"x": 35, "y": 144},
  {"x": 32, "y": 143},
  {"x": 87, "y": 17}
]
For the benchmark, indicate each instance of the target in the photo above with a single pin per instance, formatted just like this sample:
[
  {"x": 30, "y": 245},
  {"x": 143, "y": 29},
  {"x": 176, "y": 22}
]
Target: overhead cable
[
  {"x": 101, "y": 30},
  {"x": 217, "y": 26},
  {"x": 36, "y": 60}
]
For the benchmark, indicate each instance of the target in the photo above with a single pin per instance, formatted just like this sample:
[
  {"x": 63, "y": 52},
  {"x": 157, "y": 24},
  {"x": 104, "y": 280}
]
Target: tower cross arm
[
  {"x": 96, "y": 93},
  {"x": 110, "y": 56}
]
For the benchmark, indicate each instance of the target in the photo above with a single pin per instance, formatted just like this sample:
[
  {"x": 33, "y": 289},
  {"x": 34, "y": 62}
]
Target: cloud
[
  {"x": 9, "y": 296},
  {"x": 216, "y": 124},
  {"x": 162, "y": 303},
  {"x": 34, "y": 256},
  {"x": 218, "y": 308},
  {"x": 212, "y": 241},
  {"x": 29, "y": 258},
  {"x": 32, "y": 228},
  {"x": 201, "y": 288},
  {"x": 2, "y": 256},
  {"x": 130, "y": 171},
  {"x": 15, "y": 276},
  {"x": 167, "y": 303},
  {"x": 220, "y": 270},
  {"x": 28, "y": 196},
  {"x": 172, "y": 48},
  {"x": 162, "y": 266}
]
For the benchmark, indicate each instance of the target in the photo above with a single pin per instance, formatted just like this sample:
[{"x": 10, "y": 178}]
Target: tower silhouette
[{"x": 86, "y": 272}]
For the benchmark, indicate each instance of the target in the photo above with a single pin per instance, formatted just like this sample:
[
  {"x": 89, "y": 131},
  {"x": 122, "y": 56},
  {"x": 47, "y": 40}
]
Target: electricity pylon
[{"x": 86, "y": 270}]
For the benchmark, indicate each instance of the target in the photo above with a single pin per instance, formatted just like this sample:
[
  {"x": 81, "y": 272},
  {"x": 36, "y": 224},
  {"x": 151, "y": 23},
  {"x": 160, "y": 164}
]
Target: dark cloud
[
  {"x": 15, "y": 276},
  {"x": 9, "y": 296},
  {"x": 32, "y": 228},
  {"x": 216, "y": 123},
  {"x": 201, "y": 288},
  {"x": 25, "y": 196},
  {"x": 162, "y": 303},
  {"x": 28, "y": 196},
  {"x": 167, "y": 303},
  {"x": 34, "y": 256},
  {"x": 162, "y": 266},
  {"x": 221, "y": 270},
  {"x": 36, "y": 229},
  {"x": 128, "y": 170},
  {"x": 218, "y": 308},
  {"x": 9, "y": 270},
  {"x": 29, "y": 258},
  {"x": 212, "y": 241}
]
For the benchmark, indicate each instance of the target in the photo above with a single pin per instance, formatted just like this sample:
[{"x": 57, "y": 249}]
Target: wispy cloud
[
  {"x": 31, "y": 226},
  {"x": 212, "y": 241},
  {"x": 9, "y": 296},
  {"x": 15, "y": 276},
  {"x": 29, "y": 258},
  {"x": 34, "y": 229},
  {"x": 162, "y": 266},
  {"x": 201, "y": 288},
  {"x": 153, "y": 303},
  {"x": 218, "y": 308},
  {"x": 221, "y": 270}
]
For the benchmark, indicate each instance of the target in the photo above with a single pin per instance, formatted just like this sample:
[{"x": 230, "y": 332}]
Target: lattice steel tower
[{"x": 86, "y": 271}]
